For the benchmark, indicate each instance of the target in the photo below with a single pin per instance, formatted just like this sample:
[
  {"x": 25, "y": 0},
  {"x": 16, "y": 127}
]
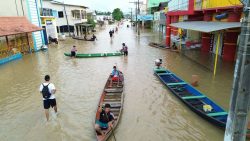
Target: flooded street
[{"x": 150, "y": 113}]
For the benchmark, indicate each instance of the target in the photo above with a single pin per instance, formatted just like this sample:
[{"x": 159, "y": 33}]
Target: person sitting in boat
[
  {"x": 93, "y": 37},
  {"x": 73, "y": 51},
  {"x": 158, "y": 63},
  {"x": 105, "y": 119},
  {"x": 114, "y": 77}
]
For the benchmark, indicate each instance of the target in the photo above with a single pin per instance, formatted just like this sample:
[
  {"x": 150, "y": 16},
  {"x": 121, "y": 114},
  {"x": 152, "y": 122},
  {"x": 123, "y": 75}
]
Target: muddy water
[{"x": 151, "y": 112}]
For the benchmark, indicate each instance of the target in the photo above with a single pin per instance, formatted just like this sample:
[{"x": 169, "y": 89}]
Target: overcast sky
[{"x": 104, "y": 5}]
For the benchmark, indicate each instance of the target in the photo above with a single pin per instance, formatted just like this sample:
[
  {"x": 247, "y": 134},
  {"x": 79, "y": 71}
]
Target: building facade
[
  {"x": 65, "y": 14},
  {"x": 29, "y": 9},
  {"x": 221, "y": 18}
]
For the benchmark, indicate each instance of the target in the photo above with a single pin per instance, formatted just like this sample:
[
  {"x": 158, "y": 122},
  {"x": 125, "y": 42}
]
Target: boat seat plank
[
  {"x": 112, "y": 99},
  {"x": 113, "y": 104},
  {"x": 113, "y": 90},
  {"x": 113, "y": 94},
  {"x": 217, "y": 114},
  {"x": 114, "y": 109},
  {"x": 160, "y": 70},
  {"x": 193, "y": 97},
  {"x": 168, "y": 73},
  {"x": 178, "y": 83}
]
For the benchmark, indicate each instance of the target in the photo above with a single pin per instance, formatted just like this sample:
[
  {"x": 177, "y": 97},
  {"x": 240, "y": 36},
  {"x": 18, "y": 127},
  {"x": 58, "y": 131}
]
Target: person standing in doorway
[
  {"x": 125, "y": 49},
  {"x": 48, "y": 90}
]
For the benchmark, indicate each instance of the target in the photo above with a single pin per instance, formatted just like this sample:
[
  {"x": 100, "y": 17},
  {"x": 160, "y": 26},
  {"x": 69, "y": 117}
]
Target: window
[
  {"x": 46, "y": 12},
  {"x": 60, "y": 14},
  {"x": 76, "y": 14}
]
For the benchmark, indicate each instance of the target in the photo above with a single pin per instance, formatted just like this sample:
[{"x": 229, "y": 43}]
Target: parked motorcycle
[{"x": 53, "y": 40}]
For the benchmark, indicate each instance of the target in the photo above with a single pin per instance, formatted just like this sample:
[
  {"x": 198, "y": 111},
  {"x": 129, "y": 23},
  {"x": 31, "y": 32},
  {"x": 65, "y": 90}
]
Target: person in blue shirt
[{"x": 114, "y": 77}]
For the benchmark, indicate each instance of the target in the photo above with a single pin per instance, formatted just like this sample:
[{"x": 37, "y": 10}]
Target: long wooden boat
[
  {"x": 157, "y": 45},
  {"x": 89, "y": 55},
  {"x": 114, "y": 97},
  {"x": 82, "y": 38},
  {"x": 194, "y": 99}
]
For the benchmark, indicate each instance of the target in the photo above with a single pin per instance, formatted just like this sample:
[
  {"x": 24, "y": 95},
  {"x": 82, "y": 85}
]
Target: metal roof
[
  {"x": 16, "y": 25},
  {"x": 204, "y": 26}
]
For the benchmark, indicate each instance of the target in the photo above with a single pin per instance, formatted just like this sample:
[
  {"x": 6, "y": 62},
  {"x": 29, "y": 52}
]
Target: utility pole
[
  {"x": 240, "y": 99},
  {"x": 136, "y": 18},
  {"x": 138, "y": 4},
  {"x": 137, "y": 12},
  {"x": 131, "y": 16},
  {"x": 66, "y": 18}
]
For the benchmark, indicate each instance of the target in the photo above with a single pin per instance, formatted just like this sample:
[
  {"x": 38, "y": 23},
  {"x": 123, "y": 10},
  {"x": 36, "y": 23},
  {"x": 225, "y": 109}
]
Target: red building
[{"x": 205, "y": 24}]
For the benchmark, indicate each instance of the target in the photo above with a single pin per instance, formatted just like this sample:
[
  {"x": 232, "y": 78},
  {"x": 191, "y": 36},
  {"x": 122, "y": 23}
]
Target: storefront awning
[
  {"x": 16, "y": 25},
  {"x": 204, "y": 26}
]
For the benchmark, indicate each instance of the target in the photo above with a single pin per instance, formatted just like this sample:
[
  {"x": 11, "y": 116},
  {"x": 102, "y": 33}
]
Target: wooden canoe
[
  {"x": 113, "y": 96},
  {"x": 90, "y": 55},
  {"x": 82, "y": 38},
  {"x": 194, "y": 99},
  {"x": 152, "y": 44}
]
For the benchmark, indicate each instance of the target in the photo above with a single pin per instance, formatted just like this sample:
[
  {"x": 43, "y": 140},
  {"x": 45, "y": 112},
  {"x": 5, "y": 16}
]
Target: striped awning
[{"x": 204, "y": 26}]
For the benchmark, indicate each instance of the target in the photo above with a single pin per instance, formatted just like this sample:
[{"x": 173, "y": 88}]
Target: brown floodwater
[{"x": 151, "y": 112}]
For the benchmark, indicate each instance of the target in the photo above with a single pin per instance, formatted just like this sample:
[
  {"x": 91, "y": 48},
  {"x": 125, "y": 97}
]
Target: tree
[
  {"x": 117, "y": 14},
  {"x": 91, "y": 21}
]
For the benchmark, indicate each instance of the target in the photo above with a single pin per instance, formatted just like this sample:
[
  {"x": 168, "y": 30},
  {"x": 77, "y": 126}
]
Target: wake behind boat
[
  {"x": 194, "y": 99},
  {"x": 114, "y": 97}
]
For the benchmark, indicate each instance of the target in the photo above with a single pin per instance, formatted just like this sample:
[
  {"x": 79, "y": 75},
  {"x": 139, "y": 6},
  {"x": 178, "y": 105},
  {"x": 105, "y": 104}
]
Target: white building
[
  {"x": 29, "y": 9},
  {"x": 66, "y": 14}
]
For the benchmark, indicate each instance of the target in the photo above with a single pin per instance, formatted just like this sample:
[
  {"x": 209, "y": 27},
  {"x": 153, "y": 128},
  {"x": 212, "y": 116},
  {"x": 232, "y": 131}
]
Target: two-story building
[
  {"x": 66, "y": 15},
  {"x": 211, "y": 25}
]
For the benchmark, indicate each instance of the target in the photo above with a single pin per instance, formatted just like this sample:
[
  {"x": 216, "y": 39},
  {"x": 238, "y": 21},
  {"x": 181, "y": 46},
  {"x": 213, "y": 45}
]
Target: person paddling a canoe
[
  {"x": 114, "y": 77},
  {"x": 73, "y": 51},
  {"x": 105, "y": 119}
]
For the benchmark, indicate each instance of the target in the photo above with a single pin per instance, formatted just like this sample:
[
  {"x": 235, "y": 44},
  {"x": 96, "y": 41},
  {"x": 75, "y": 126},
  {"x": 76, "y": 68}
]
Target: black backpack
[{"x": 45, "y": 92}]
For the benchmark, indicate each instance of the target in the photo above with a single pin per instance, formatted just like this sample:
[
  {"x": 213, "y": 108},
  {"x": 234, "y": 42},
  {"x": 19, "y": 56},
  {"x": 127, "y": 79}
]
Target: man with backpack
[{"x": 48, "y": 90}]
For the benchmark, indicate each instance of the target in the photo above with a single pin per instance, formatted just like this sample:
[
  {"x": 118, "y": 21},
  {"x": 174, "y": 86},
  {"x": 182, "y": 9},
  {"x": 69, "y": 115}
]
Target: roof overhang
[
  {"x": 204, "y": 26},
  {"x": 16, "y": 25}
]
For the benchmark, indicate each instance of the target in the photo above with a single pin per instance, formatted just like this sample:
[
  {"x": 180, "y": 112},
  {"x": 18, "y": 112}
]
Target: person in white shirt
[{"x": 48, "y": 90}]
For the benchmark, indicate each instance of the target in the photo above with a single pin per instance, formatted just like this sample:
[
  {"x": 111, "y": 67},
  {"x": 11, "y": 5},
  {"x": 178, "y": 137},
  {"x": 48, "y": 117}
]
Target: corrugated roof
[
  {"x": 16, "y": 25},
  {"x": 204, "y": 26}
]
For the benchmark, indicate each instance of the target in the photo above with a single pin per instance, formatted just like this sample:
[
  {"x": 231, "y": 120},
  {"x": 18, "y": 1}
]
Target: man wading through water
[{"x": 48, "y": 90}]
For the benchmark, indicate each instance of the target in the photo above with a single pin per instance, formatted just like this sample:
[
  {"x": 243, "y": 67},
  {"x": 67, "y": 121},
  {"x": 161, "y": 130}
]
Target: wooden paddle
[{"x": 112, "y": 130}]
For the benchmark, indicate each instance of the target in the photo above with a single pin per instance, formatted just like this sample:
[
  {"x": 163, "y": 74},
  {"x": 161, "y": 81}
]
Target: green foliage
[
  {"x": 91, "y": 21},
  {"x": 102, "y": 13},
  {"x": 117, "y": 14}
]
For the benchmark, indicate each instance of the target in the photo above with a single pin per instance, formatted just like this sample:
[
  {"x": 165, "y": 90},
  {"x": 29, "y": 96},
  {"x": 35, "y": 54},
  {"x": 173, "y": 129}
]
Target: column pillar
[{"x": 168, "y": 30}]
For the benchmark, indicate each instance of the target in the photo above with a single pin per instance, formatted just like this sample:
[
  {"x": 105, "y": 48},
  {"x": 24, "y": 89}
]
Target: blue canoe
[{"x": 194, "y": 99}]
